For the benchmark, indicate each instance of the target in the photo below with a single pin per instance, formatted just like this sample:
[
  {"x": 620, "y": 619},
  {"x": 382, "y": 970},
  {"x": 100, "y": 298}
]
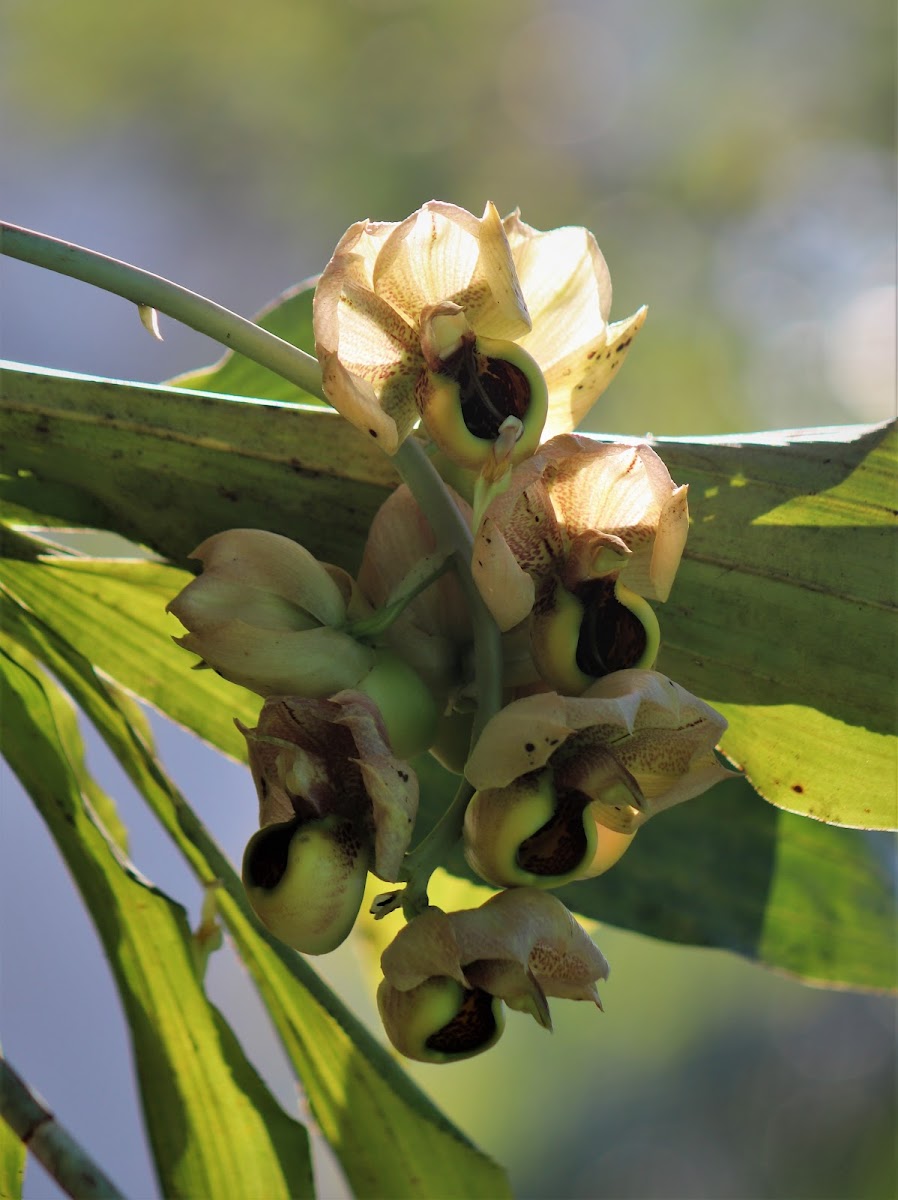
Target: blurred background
[{"x": 736, "y": 163}]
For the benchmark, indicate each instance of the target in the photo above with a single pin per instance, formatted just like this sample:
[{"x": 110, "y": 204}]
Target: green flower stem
[
  {"x": 451, "y": 531},
  {"x": 152, "y": 291},
  {"x": 55, "y": 1150}
]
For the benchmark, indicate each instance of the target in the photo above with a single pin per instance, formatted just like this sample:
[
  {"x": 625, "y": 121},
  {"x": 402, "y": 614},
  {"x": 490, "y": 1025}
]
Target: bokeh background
[{"x": 736, "y": 162}]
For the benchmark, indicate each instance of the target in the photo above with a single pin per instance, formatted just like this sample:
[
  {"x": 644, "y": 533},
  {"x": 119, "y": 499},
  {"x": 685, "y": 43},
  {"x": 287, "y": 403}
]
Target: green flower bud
[
  {"x": 440, "y": 1020},
  {"x": 579, "y": 637},
  {"x": 406, "y": 705},
  {"x": 305, "y": 881}
]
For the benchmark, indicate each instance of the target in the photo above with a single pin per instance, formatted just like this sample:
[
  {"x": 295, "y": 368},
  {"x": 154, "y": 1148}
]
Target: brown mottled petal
[
  {"x": 391, "y": 784},
  {"x": 426, "y": 947},
  {"x": 313, "y": 662},
  {"x": 442, "y": 253},
  {"x": 532, "y": 928},
  {"x": 513, "y": 983}
]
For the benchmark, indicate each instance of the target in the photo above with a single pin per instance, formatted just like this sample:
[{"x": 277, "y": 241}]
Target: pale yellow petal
[
  {"x": 443, "y": 253},
  {"x": 624, "y": 491},
  {"x": 576, "y": 380},
  {"x": 507, "y": 589}
]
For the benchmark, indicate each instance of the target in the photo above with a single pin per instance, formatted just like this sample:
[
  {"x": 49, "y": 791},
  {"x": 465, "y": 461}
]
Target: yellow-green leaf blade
[
  {"x": 389, "y": 1137},
  {"x": 214, "y": 1127}
]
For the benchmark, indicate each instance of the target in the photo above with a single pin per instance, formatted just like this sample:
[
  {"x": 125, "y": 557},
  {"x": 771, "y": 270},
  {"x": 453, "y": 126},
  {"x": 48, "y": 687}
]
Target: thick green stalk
[
  {"x": 451, "y": 531},
  {"x": 51, "y": 1145},
  {"x": 152, "y": 291}
]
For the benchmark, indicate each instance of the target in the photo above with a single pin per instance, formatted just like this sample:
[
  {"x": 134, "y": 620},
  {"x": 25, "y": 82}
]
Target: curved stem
[
  {"x": 152, "y": 291},
  {"x": 57, "y": 1151}
]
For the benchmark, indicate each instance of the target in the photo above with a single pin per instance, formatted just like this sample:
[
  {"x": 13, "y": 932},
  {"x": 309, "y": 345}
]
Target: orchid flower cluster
[{"x": 476, "y": 345}]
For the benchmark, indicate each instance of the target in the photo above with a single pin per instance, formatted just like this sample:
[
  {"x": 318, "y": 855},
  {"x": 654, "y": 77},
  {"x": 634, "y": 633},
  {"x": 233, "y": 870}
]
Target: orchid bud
[
  {"x": 406, "y": 705},
  {"x": 262, "y": 614},
  {"x": 305, "y": 880}
]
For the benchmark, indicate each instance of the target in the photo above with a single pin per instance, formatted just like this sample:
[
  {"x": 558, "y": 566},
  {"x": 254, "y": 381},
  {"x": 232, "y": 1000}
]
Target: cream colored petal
[
  {"x": 425, "y": 948},
  {"x": 369, "y": 356},
  {"x": 267, "y": 561},
  {"x": 577, "y": 379},
  {"x": 560, "y": 269},
  {"x": 532, "y": 928},
  {"x": 507, "y": 589},
  {"x": 520, "y": 738},
  {"x": 443, "y": 253},
  {"x": 567, "y": 287},
  {"x": 624, "y": 491},
  {"x": 314, "y": 662},
  {"x": 391, "y": 784},
  {"x": 524, "y": 735}
]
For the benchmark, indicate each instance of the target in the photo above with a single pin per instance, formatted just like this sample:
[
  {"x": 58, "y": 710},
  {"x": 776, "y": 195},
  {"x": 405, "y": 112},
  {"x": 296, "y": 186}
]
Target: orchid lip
[
  {"x": 612, "y": 637},
  {"x": 491, "y": 389},
  {"x": 473, "y": 1026}
]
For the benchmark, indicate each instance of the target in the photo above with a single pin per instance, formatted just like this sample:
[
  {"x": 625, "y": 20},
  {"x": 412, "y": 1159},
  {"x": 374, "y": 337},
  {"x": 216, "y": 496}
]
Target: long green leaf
[
  {"x": 389, "y": 1137},
  {"x": 169, "y": 467},
  {"x": 12, "y": 1163},
  {"x": 214, "y": 1127},
  {"x": 290, "y": 317},
  {"x": 728, "y": 870},
  {"x": 782, "y": 614}
]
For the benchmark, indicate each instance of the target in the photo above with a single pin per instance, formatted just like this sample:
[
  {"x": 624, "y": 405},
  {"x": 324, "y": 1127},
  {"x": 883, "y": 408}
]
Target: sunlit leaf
[
  {"x": 214, "y": 1127},
  {"x": 12, "y": 1163},
  {"x": 169, "y": 467},
  {"x": 390, "y": 1139},
  {"x": 782, "y": 614},
  {"x": 290, "y": 317},
  {"x": 728, "y": 870}
]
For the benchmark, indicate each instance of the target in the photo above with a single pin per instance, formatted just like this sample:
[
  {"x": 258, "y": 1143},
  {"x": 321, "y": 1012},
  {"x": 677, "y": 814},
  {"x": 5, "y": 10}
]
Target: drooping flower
[
  {"x": 563, "y": 783},
  {"x": 266, "y": 615},
  {"x": 585, "y": 534},
  {"x": 491, "y": 332},
  {"x": 446, "y": 975},
  {"x": 334, "y": 803}
]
